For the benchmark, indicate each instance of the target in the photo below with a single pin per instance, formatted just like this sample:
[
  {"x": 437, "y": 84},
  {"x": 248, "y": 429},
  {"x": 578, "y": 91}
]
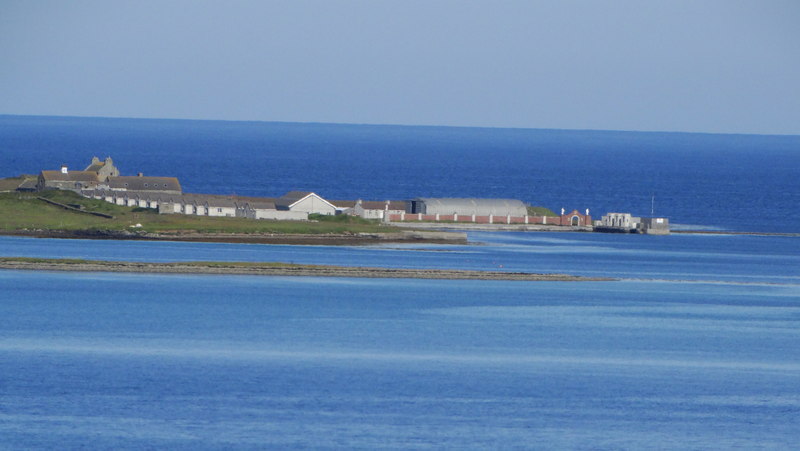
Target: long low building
[
  {"x": 230, "y": 206},
  {"x": 143, "y": 199},
  {"x": 466, "y": 206},
  {"x": 198, "y": 204}
]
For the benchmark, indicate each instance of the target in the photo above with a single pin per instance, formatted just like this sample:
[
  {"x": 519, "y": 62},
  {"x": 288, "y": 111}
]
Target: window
[{"x": 219, "y": 210}]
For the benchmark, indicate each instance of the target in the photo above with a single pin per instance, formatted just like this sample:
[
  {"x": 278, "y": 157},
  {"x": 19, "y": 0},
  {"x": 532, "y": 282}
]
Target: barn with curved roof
[{"x": 467, "y": 206}]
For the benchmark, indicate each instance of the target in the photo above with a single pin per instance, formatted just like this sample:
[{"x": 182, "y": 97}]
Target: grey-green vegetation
[
  {"x": 540, "y": 211},
  {"x": 24, "y": 211}
]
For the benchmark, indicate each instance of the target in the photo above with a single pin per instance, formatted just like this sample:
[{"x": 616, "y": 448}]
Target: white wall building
[{"x": 306, "y": 202}]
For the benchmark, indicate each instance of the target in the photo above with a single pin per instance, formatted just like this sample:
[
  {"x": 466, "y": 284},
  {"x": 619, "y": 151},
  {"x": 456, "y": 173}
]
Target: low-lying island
[{"x": 274, "y": 269}]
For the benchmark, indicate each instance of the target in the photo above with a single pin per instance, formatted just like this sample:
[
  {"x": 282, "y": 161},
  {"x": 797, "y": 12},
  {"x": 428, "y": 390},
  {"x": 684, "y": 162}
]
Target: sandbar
[{"x": 276, "y": 269}]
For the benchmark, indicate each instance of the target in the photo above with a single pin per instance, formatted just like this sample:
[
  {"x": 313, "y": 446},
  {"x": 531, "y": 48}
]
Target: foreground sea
[{"x": 696, "y": 345}]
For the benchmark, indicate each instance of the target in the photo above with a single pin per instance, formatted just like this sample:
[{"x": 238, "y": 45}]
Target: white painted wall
[
  {"x": 169, "y": 208},
  {"x": 314, "y": 204},
  {"x": 221, "y": 211},
  {"x": 281, "y": 215},
  {"x": 373, "y": 213}
]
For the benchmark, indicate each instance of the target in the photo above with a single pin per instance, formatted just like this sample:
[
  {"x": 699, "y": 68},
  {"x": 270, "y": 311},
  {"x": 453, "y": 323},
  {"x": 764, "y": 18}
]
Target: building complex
[{"x": 102, "y": 180}]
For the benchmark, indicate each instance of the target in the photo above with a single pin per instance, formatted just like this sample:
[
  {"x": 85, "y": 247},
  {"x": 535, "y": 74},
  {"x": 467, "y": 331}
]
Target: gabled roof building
[
  {"x": 306, "y": 202},
  {"x": 103, "y": 169},
  {"x": 67, "y": 180}
]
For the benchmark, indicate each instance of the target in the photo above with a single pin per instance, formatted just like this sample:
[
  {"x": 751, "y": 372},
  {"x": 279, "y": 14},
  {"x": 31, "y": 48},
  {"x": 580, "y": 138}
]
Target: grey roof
[
  {"x": 290, "y": 198},
  {"x": 470, "y": 206},
  {"x": 296, "y": 195},
  {"x": 29, "y": 184},
  {"x": 258, "y": 204},
  {"x": 219, "y": 200},
  {"x": 71, "y": 176},
  {"x": 136, "y": 183},
  {"x": 143, "y": 195},
  {"x": 381, "y": 205},
  {"x": 212, "y": 200},
  {"x": 370, "y": 204},
  {"x": 343, "y": 203}
]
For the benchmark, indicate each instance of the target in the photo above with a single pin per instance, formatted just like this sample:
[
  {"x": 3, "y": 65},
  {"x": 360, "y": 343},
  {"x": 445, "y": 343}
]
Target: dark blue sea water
[
  {"x": 696, "y": 346},
  {"x": 730, "y": 182}
]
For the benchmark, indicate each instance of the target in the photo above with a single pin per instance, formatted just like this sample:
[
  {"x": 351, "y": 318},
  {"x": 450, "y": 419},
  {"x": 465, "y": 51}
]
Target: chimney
[
  {"x": 64, "y": 169},
  {"x": 140, "y": 175}
]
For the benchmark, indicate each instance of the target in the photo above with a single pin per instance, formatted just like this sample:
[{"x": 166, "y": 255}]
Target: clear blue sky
[{"x": 708, "y": 66}]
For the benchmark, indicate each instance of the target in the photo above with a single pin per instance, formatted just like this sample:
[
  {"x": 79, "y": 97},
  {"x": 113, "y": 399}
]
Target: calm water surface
[
  {"x": 691, "y": 257},
  {"x": 174, "y": 361}
]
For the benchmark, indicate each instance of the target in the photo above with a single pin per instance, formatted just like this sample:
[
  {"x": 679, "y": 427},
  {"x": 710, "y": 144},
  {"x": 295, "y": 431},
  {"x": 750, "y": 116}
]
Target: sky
[{"x": 711, "y": 66}]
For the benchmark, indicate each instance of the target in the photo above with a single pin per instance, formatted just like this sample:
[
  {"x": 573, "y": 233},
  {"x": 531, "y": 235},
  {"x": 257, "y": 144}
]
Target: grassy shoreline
[
  {"x": 24, "y": 211},
  {"x": 274, "y": 269},
  {"x": 64, "y": 214}
]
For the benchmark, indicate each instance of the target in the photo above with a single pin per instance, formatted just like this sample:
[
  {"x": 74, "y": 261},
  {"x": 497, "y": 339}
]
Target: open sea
[
  {"x": 696, "y": 346},
  {"x": 725, "y": 182}
]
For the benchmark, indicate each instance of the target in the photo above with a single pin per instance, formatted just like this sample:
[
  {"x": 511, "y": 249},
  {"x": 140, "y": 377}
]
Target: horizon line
[{"x": 367, "y": 124}]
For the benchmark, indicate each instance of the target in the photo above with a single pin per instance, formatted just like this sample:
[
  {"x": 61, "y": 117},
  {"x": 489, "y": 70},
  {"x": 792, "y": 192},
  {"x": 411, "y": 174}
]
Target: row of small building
[{"x": 102, "y": 180}]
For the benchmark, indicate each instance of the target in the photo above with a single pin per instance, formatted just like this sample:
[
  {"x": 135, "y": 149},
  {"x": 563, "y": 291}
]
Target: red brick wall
[{"x": 564, "y": 220}]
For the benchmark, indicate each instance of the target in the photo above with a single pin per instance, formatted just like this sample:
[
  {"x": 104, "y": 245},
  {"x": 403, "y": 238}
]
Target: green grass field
[
  {"x": 23, "y": 211},
  {"x": 540, "y": 211},
  {"x": 11, "y": 183}
]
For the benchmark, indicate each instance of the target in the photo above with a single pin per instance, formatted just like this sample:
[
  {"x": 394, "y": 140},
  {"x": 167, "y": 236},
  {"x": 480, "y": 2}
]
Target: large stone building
[
  {"x": 90, "y": 178},
  {"x": 67, "y": 180},
  {"x": 103, "y": 169}
]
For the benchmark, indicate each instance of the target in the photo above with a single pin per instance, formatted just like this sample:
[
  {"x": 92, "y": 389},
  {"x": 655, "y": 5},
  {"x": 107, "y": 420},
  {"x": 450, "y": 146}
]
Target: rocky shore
[{"x": 275, "y": 269}]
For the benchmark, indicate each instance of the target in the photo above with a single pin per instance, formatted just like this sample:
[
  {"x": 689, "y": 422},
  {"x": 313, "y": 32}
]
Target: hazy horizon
[{"x": 393, "y": 125}]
